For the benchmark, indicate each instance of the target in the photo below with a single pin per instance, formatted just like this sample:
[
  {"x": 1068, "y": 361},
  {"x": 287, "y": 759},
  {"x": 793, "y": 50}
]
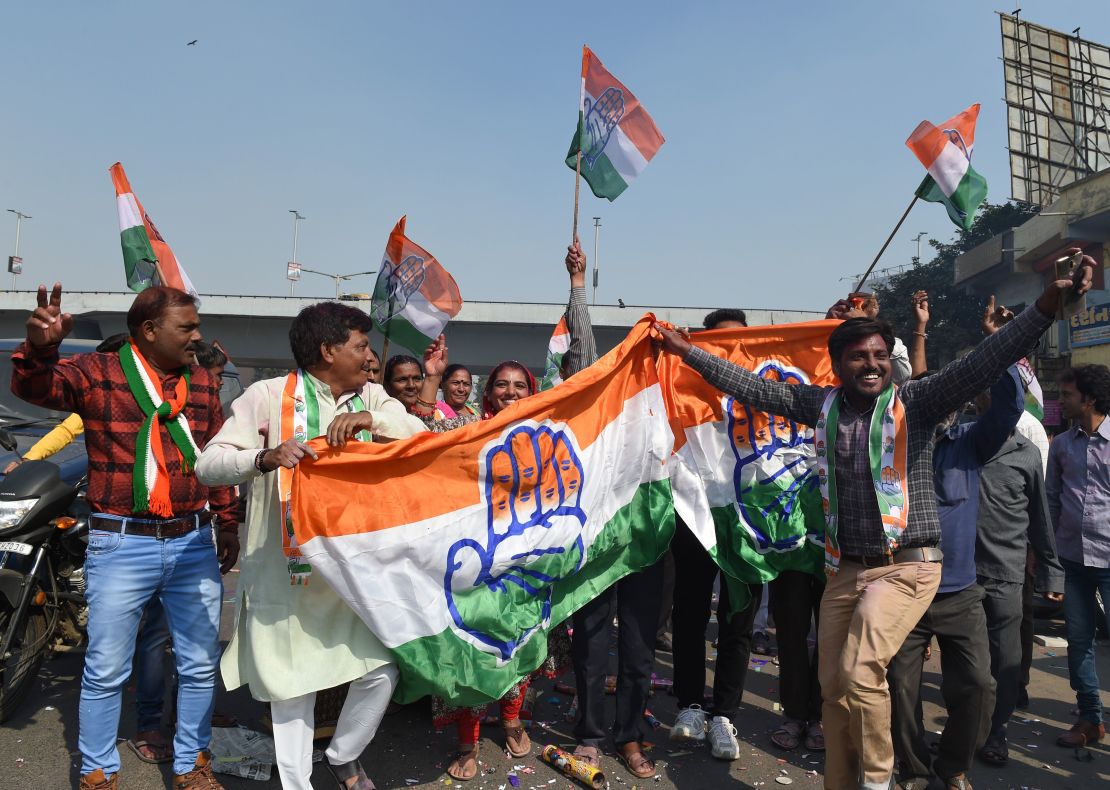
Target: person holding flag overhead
[
  {"x": 146, "y": 409},
  {"x": 882, "y": 534},
  {"x": 293, "y": 638}
]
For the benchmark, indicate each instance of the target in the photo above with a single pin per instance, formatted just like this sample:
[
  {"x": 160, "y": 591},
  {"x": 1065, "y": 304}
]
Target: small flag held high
[
  {"x": 557, "y": 348},
  {"x": 615, "y": 134},
  {"x": 147, "y": 259},
  {"x": 946, "y": 154},
  {"x": 414, "y": 296}
]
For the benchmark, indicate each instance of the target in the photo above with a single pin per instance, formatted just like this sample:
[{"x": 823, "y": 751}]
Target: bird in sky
[{"x": 193, "y": 43}]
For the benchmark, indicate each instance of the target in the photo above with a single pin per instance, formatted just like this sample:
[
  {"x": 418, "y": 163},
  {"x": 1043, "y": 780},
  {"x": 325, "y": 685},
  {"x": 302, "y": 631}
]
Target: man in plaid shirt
[
  {"x": 137, "y": 553},
  {"x": 877, "y": 596}
]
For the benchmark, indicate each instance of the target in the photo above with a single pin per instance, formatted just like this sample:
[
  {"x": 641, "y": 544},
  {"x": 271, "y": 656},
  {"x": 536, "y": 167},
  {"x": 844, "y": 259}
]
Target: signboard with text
[
  {"x": 1090, "y": 327},
  {"x": 293, "y": 271}
]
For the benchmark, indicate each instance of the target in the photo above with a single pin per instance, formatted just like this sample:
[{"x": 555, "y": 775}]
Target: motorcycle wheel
[{"x": 20, "y": 667}]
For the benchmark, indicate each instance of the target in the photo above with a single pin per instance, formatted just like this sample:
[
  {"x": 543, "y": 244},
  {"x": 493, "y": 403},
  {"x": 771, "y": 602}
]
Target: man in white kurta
[{"x": 291, "y": 641}]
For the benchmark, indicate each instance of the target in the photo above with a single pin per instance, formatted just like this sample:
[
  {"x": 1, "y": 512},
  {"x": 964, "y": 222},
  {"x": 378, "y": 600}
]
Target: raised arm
[
  {"x": 920, "y": 307},
  {"x": 37, "y": 375},
  {"x": 993, "y": 428},
  {"x": 798, "y": 402},
  {"x": 582, "y": 351},
  {"x": 962, "y": 379}
]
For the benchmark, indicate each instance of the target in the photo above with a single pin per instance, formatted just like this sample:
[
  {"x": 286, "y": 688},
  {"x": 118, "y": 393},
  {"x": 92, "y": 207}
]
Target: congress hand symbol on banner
[
  {"x": 400, "y": 281},
  {"x": 499, "y": 593},
  {"x": 601, "y": 118}
]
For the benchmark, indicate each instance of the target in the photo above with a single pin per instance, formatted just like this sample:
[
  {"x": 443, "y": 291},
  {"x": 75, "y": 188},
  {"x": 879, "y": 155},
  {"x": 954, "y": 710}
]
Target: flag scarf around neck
[
  {"x": 615, "y": 134},
  {"x": 143, "y": 245},
  {"x": 744, "y": 481},
  {"x": 414, "y": 296},
  {"x": 461, "y": 550},
  {"x": 946, "y": 153},
  {"x": 300, "y": 420},
  {"x": 557, "y": 348},
  {"x": 887, "y": 449},
  {"x": 150, "y": 480}
]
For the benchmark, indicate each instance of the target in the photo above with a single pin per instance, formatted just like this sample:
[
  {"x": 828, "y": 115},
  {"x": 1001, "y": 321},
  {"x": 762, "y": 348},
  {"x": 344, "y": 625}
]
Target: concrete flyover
[{"x": 254, "y": 329}]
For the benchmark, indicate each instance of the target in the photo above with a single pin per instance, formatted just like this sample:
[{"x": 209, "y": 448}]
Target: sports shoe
[
  {"x": 689, "y": 725},
  {"x": 722, "y": 739}
]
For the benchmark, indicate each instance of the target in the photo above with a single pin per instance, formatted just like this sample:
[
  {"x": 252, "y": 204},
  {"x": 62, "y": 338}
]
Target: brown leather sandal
[
  {"x": 634, "y": 760},
  {"x": 464, "y": 766},
  {"x": 517, "y": 742}
]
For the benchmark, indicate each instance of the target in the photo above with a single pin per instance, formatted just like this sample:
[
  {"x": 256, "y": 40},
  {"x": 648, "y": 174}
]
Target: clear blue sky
[{"x": 783, "y": 171}]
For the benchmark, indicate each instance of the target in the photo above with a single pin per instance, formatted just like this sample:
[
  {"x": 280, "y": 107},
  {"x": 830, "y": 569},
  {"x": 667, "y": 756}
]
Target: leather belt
[
  {"x": 922, "y": 554},
  {"x": 151, "y": 527}
]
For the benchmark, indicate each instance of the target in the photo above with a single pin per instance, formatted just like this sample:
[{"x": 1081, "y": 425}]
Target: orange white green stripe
[
  {"x": 461, "y": 550},
  {"x": 414, "y": 296},
  {"x": 557, "y": 348},
  {"x": 946, "y": 153},
  {"x": 145, "y": 252},
  {"x": 615, "y": 134}
]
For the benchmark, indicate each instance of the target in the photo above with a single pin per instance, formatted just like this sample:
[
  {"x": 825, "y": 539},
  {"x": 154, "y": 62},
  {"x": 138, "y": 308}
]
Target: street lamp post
[
  {"x": 337, "y": 277},
  {"x": 917, "y": 238},
  {"x": 15, "y": 263},
  {"x": 297, "y": 217}
]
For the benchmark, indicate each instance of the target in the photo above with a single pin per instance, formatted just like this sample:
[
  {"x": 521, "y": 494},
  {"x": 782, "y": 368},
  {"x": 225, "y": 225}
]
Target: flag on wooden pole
[{"x": 946, "y": 153}]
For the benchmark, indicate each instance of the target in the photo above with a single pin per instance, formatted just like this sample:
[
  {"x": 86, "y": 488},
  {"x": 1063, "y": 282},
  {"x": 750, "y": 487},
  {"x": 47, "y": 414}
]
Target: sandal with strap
[
  {"x": 464, "y": 766},
  {"x": 815, "y": 737},
  {"x": 634, "y": 760},
  {"x": 788, "y": 735},
  {"x": 151, "y": 747},
  {"x": 995, "y": 752},
  {"x": 588, "y": 755},
  {"x": 352, "y": 770},
  {"x": 517, "y": 742}
]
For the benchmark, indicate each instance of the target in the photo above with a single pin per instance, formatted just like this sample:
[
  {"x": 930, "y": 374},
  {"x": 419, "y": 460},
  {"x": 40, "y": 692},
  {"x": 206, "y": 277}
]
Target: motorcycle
[{"x": 43, "y": 533}]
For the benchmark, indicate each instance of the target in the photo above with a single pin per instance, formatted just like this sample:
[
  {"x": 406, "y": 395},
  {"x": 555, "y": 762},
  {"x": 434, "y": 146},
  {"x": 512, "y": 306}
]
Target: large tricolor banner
[
  {"x": 615, "y": 134},
  {"x": 745, "y": 482},
  {"x": 145, "y": 252},
  {"x": 414, "y": 296},
  {"x": 461, "y": 550},
  {"x": 946, "y": 153}
]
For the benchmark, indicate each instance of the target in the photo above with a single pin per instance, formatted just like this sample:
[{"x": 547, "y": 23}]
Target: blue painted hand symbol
[
  {"x": 499, "y": 592},
  {"x": 395, "y": 286},
  {"x": 601, "y": 118}
]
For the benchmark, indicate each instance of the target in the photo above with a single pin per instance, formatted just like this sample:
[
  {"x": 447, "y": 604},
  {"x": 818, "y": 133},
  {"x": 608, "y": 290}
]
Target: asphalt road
[{"x": 38, "y": 747}]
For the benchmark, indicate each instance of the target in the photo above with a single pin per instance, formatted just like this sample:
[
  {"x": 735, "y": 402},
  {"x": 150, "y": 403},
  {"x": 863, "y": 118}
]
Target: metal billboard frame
[{"x": 1057, "y": 108}]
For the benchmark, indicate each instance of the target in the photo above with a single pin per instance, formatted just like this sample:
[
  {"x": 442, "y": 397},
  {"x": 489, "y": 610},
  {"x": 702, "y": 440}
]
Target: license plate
[{"x": 17, "y": 548}]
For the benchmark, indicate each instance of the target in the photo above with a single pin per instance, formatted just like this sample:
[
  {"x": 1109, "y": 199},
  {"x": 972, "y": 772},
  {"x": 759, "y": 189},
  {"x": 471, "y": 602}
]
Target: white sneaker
[
  {"x": 690, "y": 725},
  {"x": 722, "y": 739}
]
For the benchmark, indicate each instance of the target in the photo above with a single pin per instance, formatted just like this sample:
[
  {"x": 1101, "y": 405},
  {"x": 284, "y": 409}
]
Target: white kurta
[{"x": 289, "y": 640}]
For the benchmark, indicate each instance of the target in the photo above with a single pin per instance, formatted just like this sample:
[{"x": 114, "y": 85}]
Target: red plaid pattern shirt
[{"x": 94, "y": 386}]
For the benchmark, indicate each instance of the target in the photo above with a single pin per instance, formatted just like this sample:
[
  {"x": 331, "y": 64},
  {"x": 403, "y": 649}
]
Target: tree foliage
[{"x": 955, "y": 315}]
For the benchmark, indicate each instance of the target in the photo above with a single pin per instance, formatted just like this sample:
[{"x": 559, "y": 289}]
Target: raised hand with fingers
[
  {"x": 499, "y": 592},
  {"x": 1075, "y": 284},
  {"x": 995, "y": 317},
  {"x": 919, "y": 302},
  {"x": 673, "y": 341},
  {"x": 48, "y": 325},
  {"x": 435, "y": 357},
  {"x": 576, "y": 264}
]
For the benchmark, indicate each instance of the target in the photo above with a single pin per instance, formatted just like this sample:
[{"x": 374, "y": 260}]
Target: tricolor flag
[
  {"x": 461, "y": 550},
  {"x": 946, "y": 154},
  {"x": 414, "y": 296},
  {"x": 557, "y": 348},
  {"x": 615, "y": 134},
  {"x": 145, "y": 252},
  {"x": 745, "y": 482},
  {"x": 1034, "y": 395}
]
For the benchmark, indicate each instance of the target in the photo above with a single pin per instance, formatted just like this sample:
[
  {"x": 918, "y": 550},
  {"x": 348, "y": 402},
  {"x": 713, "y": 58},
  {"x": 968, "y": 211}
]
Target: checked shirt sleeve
[
  {"x": 798, "y": 402},
  {"x": 582, "y": 351},
  {"x": 39, "y": 377}
]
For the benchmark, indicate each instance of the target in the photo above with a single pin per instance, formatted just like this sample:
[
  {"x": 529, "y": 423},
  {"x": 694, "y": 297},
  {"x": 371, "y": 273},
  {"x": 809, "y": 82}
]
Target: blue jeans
[
  {"x": 1081, "y": 614},
  {"x": 124, "y": 573},
  {"x": 150, "y": 667}
]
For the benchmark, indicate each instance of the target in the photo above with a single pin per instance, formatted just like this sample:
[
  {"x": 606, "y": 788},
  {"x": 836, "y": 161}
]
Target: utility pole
[
  {"x": 597, "y": 231},
  {"x": 917, "y": 238},
  {"x": 297, "y": 217},
  {"x": 15, "y": 263}
]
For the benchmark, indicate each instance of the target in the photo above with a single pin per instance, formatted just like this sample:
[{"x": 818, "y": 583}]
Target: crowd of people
[{"x": 985, "y": 513}]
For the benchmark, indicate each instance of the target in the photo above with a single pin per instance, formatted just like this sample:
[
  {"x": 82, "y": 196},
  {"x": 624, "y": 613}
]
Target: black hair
[
  {"x": 1093, "y": 382},
  {"x": 856, "y": 329},
  {"x": 724, "y": 314},
  {"x": 324, "y": 324},
  {"x": 453, "y": 369},
  {"x": 210, "y": 356},
  {"x": 112, "y": 343},
  {"x": 399, "y": 359},
  {"x": 152, "y": 303}
]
